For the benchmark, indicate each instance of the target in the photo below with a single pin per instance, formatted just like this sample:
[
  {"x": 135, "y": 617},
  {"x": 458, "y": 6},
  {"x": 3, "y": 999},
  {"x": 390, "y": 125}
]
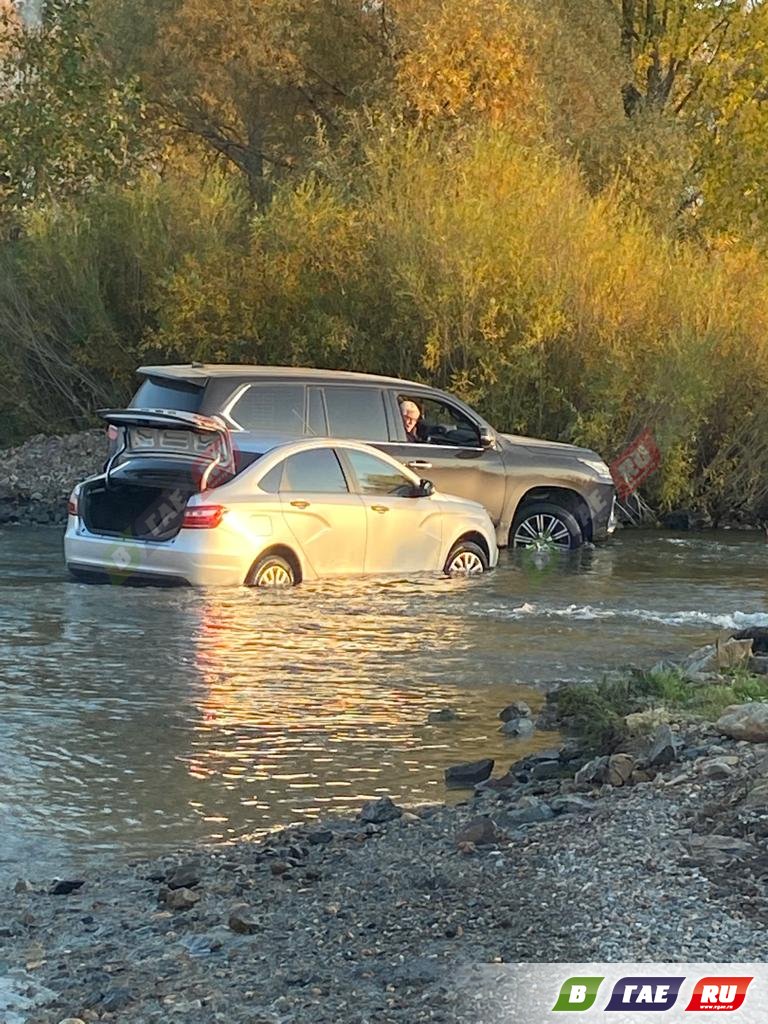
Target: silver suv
[{"x": 538, "y": 493}]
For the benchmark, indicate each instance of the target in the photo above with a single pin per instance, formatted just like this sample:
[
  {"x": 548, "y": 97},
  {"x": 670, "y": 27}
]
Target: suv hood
[{"x": 556, "y": 448}]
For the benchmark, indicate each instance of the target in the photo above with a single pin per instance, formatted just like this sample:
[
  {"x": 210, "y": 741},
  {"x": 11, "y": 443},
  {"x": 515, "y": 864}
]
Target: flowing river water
[{"x": 134, "y": 721}]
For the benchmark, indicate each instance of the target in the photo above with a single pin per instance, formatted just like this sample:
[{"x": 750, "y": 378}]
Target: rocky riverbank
[
  {"x": 38, "y": 476},
  {"x": 653, "y": 852}
]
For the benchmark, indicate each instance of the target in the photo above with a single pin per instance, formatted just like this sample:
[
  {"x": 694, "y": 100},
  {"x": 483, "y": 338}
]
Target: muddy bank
[
  {"x": 367, "y": 919},
  {"x": 37, "y": 476}
]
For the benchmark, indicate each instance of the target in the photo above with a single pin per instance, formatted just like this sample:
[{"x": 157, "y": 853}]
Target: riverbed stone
[
  {"x": 66, "y": 886},
  {"x": 442, "y": 715},
  {"x": 480, "y": 831},
  {"x": 185, "y": 876},
  {"x": 745, "y": 722},
  {"x": 542, "y": 771},
  {"x": 517, "y": 709},
  {"x": 529, "y": 811},
  {"x": 663, "y": 747},
  {"x": 243, "y": 920},
  {"x": 470, "y": 773},
  {"x": 377, "y": 812},
  {"x": 179, "y": 899},
  {"x": 620, "y": 768},
  {"x": 519, "y": 727}
]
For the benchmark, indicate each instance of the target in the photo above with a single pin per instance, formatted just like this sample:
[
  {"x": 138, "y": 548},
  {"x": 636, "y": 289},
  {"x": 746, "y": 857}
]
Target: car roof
[{"x": 200, "y": 372}]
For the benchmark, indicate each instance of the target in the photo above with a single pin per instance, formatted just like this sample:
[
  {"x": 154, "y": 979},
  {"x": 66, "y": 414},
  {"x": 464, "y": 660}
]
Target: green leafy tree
[{"x": 66, "y": 123}]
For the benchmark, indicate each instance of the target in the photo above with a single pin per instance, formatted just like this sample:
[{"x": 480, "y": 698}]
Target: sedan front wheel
[{"x": 466, "y": 559}]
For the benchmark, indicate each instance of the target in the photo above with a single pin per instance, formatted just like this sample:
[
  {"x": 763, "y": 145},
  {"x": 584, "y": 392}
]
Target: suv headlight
[{"x": 597, "y": 466}]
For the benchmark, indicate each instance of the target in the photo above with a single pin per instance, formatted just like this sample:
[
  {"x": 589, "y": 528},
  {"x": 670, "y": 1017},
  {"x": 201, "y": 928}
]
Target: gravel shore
[
  {"x": 356, "y": 921},
  {"x": 38, "y": 476}
]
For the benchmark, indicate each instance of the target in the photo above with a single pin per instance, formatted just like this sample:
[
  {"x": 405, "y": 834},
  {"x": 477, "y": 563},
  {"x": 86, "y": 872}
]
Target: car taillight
[
  {"x": 72, "y": 503},
  {"x": 202, "y": 517}
]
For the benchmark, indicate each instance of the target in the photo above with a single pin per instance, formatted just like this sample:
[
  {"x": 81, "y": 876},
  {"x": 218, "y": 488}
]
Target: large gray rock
[
  {"x": 377, "y": 812},
  {"x": 663, "y": 747},
  {"x": 529, "y": 811},
  {"x": 517, "y": 709},
  {"x": 745, "y": 722},
  {"x": 615, "y": 770},
  {"x": 469, "y": 774}
]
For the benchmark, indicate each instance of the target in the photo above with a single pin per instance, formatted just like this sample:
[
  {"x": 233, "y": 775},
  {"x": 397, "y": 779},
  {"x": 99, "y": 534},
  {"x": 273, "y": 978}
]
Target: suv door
[{"x": 448, "y": 450}]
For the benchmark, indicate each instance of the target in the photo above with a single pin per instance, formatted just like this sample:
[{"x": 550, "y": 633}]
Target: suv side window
[
  {"x": 376, "y": 476},
  {"x": 276, "y": 407},
  {"x": 356, "y": 413},
  {"x": 441, "y": 423},
  {"x": 312, "y": 472}
]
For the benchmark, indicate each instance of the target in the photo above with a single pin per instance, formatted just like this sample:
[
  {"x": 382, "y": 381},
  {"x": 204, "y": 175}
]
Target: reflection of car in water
[
  {"x": 176, "y": 503},
  {"x": 537, "y": 493}
]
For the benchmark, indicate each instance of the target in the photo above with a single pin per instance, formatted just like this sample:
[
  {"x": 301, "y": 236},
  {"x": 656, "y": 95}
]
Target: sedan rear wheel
[
  {"x": 466, "y": 559},
  {"x": 272, "y": 573},
  {"x": 541, "y": 526}
]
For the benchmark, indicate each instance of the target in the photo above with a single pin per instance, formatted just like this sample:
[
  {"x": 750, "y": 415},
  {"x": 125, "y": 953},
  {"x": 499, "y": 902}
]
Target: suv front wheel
[{"x": 542, "y": 526}]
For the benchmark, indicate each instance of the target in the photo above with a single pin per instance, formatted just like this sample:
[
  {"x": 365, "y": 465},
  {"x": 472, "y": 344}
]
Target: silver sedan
[{"x": 178, "y": 504}]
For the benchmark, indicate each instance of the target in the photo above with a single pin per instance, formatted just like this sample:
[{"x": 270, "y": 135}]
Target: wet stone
[
  {"x": 469, "y": 774},
  {"x": 442, "y": 715},
  {"x": 517, "y": 709}
]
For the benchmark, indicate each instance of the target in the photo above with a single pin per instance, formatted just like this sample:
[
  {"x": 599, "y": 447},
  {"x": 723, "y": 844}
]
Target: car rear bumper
[{"x": 192, "y": 557}]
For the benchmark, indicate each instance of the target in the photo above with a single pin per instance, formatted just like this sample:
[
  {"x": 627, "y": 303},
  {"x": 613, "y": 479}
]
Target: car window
[
  {"x": 316, "y": 425},
  {"x": 313, "y": 472},
  {"x": 275, "y": 407},
  {"x": 376, "y": 476},
  {"x": 165, "y": 393},
  {"x": 356, "y": 413},
  {"x": 442, "y": 423}
]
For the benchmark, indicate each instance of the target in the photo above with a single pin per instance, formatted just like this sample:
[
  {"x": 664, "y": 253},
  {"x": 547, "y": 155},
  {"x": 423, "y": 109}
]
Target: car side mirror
[
  {"x": 423, "y": 489},
  {"x": 487, "y": 438}
]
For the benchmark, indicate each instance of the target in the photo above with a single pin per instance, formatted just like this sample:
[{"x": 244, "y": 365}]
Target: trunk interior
[{"x": 130, "y": 511}]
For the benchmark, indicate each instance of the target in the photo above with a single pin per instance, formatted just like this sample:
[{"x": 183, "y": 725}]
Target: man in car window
[{"x": 411, "y": 416}]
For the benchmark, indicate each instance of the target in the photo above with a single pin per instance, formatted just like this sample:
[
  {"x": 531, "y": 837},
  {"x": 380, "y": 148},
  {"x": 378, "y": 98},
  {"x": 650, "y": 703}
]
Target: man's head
[{"x": 410, "y": 413}]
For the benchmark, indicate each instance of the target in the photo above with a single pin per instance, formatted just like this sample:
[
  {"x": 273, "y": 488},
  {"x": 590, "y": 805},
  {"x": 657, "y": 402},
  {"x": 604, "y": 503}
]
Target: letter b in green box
[{"x": 578, "y": 994}]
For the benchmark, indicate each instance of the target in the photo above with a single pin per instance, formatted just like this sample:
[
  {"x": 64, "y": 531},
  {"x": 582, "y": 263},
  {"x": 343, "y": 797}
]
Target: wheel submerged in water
[
  {"x": 541, "y": 526},
  {"x": 272, "y": 572},
  {"x": 466, "y": 559}
]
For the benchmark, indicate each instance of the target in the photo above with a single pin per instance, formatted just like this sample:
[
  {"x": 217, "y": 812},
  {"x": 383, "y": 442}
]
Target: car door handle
[
  {"x": 380, "y": 508},
  {"x": 419, "y": 464},
  {"x": 300, "y": 504}
]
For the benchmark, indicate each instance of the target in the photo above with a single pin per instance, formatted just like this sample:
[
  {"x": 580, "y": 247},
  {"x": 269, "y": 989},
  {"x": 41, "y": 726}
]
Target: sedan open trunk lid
[{"x": 162, "y": 447}]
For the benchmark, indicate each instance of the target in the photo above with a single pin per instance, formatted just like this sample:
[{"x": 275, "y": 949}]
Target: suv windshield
[{"x": 161, "y": 393}]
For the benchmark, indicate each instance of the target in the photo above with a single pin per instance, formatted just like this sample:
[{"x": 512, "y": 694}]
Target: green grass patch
[{"x": 596, "y": 712}]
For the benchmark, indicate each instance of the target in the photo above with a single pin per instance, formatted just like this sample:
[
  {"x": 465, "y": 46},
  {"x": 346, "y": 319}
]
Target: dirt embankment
[{"x": 37, "y": 476}]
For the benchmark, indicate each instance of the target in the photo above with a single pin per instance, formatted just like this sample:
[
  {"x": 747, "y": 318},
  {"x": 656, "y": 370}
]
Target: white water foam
[{"x": 733, "y": 620}]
